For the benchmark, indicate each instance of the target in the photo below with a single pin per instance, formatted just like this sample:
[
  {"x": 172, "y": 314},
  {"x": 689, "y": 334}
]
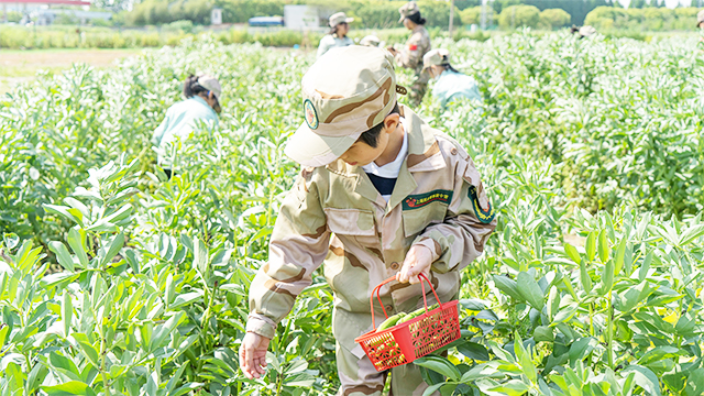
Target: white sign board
[
  {"x": 301, "y": 17},
  {"x": 216, "y": 16}
]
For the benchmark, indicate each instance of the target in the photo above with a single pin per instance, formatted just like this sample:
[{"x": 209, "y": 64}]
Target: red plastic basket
[{"x": 415, "y": 338}]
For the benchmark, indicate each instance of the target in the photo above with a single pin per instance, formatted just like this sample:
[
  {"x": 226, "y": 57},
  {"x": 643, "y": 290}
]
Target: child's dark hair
[
  {"x": 416, "y": 18},
  {"x": 371, "y": 137},
  {"x": 446, "y": 64},
  {"x": 191, "y": 87}
]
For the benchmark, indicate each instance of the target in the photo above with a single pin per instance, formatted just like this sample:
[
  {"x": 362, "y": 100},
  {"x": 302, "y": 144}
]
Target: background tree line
[{"x": 381, "y": 14}]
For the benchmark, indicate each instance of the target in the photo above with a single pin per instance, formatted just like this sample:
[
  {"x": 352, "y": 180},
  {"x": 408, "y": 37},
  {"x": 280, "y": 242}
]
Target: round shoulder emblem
[{"x": 311, "y": 114}]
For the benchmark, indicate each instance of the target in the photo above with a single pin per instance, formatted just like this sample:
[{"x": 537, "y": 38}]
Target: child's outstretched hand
[
  {"x": 253, "y": 355},
  {"x": 418, "y": 261}
]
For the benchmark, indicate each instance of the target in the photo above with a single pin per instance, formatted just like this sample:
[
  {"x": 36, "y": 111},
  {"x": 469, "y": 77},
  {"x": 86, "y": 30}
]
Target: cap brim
[
  {"x": 349, "y": 20},
  {"x": 401, "y": 19},
  {"x": 310, "y": 149}
]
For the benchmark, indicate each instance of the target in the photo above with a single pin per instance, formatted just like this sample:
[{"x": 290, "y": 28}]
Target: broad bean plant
[{"x": 115, "y": 280}]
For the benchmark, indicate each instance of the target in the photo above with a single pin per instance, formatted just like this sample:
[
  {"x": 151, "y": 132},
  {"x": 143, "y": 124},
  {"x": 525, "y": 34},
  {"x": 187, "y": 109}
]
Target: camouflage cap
[
  {"x": 586, "y": 31},
  {"x": 407, "y": 10},
  {"x": 436, "y": 57},
  {"x": 338, "y": 18},
  {"x": 346, "y": 92},
  {"x": 211, "y": 84},
  {"x": 700, "y": 17},
  {"x": 370, "y": 41}
]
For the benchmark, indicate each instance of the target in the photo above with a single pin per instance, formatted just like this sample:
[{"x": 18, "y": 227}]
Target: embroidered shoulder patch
[
  {"x": 420, "y": 200},
  {"x": 484, "y": 215}
]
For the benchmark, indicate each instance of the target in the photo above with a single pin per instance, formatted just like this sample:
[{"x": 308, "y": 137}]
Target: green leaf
[
  {"x": 643, "y": 272},
  {"x": 186, "y": 299},
  {"x": 170, "y": 290},
  {"x": 62, "y": 255},
  {"x": 4, "y": 329},
  {"x": 509, "y": 388},
  {"x": 585, "y": 278},
  {"x": 200, "y": 258},
  {"x": 64, "y": 365},
  {"x": 620, "y": 255},
  {"x": 524, "y": 358},
  {"x": 474, "y": 351},
  {"x": 431, "y": 389},
  {"x": 75, "y": 241},
  {"x": 508, "y": 286},
  {"x": 66, "y": 312},
  {"x": 11, "y": 240},
  {"x": 163, "y": 331},
  {"x": 63, "y": 211},
  {"x": 644, "y": 378},
  {"x": 581, "y": 348},
  {"x": 608, "y": 276},
  {"x": 543, "y": 333},
  {"x": 590, "y": 246},
  {"x": 439, "y": 365},
  {"x": 603, "y": 246},
  {"x": 528, "y": 289},
  {"x": 87, "y": 348},
  {"x": 118, "y": 241},
  {"x": 572, "y": 253},
  {"x": 68, "y": 389},
  {"x": 52, "y": 280}
]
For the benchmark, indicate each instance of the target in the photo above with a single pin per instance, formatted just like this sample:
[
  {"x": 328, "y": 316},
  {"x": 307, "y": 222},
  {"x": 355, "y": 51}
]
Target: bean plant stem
[
  {"x": 103, "y": 356},
  {"x": 610, "y": 332}
]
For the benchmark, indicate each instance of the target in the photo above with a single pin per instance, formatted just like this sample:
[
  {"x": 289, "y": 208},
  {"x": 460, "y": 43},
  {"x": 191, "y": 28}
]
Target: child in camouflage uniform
[
  {"x": 380, "y": 194},
  {"x": 417, "y": 45}
]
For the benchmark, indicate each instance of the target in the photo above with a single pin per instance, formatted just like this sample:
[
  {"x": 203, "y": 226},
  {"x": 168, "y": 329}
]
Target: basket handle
[{"x": 378, "y": 288}]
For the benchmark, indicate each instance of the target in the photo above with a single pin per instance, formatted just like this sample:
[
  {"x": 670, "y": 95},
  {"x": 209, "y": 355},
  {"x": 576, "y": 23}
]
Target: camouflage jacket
[
  {"x": 416, "y": 46},
  {"x": 334, "y": 215}
]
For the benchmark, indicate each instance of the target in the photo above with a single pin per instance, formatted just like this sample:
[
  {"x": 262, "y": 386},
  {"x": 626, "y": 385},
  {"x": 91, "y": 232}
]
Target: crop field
[{"x": 115, "y": 281}]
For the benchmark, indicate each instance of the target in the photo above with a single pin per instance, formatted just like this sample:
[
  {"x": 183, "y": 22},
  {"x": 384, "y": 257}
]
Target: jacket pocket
[
  {"x": 350, "y": 221},
  {"x": 417, "y": 220}
]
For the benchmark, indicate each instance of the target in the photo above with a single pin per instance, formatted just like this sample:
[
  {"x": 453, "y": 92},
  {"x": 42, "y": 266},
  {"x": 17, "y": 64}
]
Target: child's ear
[{"x": 391, "y": 122}]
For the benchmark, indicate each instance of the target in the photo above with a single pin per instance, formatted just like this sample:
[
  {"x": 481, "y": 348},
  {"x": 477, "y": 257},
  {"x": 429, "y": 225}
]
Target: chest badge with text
[
  {"x": 421, "y": 200},
  {"x": 482, "y": 207}
]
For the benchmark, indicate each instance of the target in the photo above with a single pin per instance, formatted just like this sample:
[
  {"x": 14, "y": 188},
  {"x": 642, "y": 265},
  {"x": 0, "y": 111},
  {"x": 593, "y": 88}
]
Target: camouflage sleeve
[
  {"x": 412, "y": 55},
  {"x": 298, "y": 246},
  {"x": 461, "y": 238}
]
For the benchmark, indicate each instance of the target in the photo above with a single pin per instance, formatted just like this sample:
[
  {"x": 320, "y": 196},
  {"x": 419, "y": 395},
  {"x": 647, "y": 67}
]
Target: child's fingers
[
  {"x": 246, "y": 361},
  {"x": 260, "y": 365}
]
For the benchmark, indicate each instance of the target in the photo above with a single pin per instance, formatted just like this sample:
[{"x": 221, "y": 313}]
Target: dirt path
[{"x": 20, "y": 66}]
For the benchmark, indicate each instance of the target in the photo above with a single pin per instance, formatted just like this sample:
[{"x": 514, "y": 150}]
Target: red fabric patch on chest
[{"x": 413, "y": 47}]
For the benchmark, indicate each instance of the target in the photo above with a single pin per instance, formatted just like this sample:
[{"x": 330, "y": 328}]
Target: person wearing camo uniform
[
  {"x": 411, "y": 57},
  {"x": 380, "y": 194}
]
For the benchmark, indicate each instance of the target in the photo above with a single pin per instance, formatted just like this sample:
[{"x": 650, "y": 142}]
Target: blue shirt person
[
  {"x": 201, "y": 107},
  {"x": 449, "y": 83}
]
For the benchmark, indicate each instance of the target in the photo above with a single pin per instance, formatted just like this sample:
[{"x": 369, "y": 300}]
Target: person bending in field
[
  {"x": 449, "y": 83},
  {"x": 417, "y": 46},
  {"x": 339, "y": 27},
  {"x": 202, "y": 105},
  {"x": 380, "y": 194}
]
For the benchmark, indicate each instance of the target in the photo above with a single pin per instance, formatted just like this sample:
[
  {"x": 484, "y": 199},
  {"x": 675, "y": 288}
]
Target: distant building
[
  {"x": 303, "y": 17},
  {"x": 47, "y": 17}
]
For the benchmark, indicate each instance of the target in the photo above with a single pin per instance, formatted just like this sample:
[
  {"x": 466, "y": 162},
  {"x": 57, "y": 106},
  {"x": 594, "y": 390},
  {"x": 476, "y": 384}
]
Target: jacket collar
[{"x": 423, "y": 155}]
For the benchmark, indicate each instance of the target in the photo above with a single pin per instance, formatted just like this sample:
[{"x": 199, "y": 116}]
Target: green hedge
[
  {"x": 643, "y": 19},
  {"x": 519, "y": 16}
]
